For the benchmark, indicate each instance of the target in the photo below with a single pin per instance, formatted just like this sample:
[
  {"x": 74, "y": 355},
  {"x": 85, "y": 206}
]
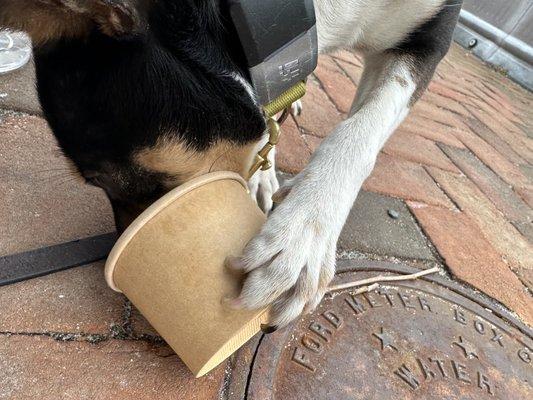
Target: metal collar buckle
[{"x": 282, "y": 103}]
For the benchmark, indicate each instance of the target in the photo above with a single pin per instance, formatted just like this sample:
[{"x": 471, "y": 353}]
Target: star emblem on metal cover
[
  {"x": 467, "y": 347},
  {"x": 385, "y": 339}
]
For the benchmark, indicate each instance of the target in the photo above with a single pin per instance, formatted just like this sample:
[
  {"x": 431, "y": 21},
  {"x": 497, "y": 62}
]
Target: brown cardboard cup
[{"x": 170, "y": 264}]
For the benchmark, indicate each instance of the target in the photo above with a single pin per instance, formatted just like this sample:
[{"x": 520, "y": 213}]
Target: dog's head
[{"x": 141, "y": 95}]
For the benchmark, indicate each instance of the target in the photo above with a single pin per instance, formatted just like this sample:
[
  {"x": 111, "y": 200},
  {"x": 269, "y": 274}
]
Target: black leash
[{"x": 47, "y": 260}]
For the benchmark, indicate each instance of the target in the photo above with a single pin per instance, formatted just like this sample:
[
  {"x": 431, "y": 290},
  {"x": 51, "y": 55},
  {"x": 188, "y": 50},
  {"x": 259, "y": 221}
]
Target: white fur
[
  {"x": 296, "y": 108},
  {"x": 262, "y": 187},
  {"x": 292, "y": 260},
  {"x": 369, "y": 25},
  {"x": 263, "y": 184}
]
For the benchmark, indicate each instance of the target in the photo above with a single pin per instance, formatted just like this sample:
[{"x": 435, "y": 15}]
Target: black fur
[
  {"x": 106, "y": 97},
  {"x": 428, "y": 44}
]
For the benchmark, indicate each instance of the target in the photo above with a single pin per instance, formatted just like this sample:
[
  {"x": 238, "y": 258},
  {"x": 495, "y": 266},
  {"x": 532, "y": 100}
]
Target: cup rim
[{"x": 155, "y": 209}]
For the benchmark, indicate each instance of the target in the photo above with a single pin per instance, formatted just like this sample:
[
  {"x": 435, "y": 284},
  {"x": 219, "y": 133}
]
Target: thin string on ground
[{"x": 374, "y": 282}]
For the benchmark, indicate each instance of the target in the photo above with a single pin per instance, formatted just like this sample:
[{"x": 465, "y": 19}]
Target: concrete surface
[
  {"x": 18, "y": 91},
  {"x": 370, "y": 229},
  {"x": 43, "y": 203}
]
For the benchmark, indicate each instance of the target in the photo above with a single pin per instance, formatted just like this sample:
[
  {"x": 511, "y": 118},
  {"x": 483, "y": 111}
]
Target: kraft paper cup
[{"x": 170, "y": 264}]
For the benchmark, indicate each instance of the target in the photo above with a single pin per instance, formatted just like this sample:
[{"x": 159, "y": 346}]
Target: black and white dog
[{"x": 143, "y": 95}]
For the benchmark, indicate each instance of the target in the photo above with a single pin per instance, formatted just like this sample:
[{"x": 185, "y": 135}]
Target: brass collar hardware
[{"x": 282, "y": 103}]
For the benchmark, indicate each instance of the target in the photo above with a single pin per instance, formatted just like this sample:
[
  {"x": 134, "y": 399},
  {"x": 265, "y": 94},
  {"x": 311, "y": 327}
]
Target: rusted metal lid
[{"x": 424, "y": 339}]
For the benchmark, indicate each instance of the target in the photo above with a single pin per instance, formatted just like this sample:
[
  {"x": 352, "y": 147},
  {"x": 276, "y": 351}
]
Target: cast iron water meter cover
[{"x": 424, "y": 339}]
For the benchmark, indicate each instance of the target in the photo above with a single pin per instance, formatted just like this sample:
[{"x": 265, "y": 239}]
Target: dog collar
[{"x": 279, "y": 40}]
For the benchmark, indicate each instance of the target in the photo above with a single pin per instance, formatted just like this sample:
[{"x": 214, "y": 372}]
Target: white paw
[
  {"x": 296, "y": 108},
  {"x": 292, "y": 261},
  {"x": 262, "y": 185}
]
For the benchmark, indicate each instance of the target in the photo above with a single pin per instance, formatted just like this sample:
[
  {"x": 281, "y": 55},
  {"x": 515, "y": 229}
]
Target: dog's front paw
[
  {"x": 296, "y": 108},
  {"x": 262, "y": 185},
  {"x": 289, "y": 264}
]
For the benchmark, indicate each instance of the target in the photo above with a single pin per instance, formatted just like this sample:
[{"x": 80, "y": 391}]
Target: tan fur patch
[
  {"x": 47, "y": 20},
  {"x": 180, "y": 163},
  {"x": 403, "y": 83},
  {"x": 42, "y": 20}
]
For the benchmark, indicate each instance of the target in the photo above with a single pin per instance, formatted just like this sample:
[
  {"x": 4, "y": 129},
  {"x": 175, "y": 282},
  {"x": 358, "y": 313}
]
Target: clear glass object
[{"x": 15, "y": 50}]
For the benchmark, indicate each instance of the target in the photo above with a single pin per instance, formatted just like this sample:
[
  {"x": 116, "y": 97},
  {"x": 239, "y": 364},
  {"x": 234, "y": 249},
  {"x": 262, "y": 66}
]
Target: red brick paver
[
  {"x": 353, "y": 71},
  {"x": 486, "y": 134},
  {"x": 502, "y": 195},
  {"x": 399, "y": 178},
  {"x": 516, "y": 140},
  {"x": 471, "y": 258},
  {"x": 349, "y": 57},
  {"x": 45, "y": 369},
  {"x": 292, "y": 152},
  {"x": 419, "y": 150},
  {"x": 320, "y": 115},
  {"x": 432, "y": 130},
  {"x": 336, "y": 83},
  {"x": 493, "y": 159},
  {"x": 504, "y": 237},
  {"x": 75, "y": 301}
]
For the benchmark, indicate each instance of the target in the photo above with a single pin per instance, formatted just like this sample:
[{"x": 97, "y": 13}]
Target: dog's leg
[
  {"x": 263, "y": 185},
  {"x": 292, "y": 261},
  {"x": 297, "y": 108}
]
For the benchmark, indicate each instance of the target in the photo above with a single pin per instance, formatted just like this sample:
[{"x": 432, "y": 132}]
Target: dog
[{"x": 143, "y": 95}]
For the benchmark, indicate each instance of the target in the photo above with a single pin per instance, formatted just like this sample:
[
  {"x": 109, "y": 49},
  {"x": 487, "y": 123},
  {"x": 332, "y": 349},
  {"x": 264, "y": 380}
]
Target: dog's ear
[
  {"x": 116, "y": 17},
  {"x": 46, "y": 20}
]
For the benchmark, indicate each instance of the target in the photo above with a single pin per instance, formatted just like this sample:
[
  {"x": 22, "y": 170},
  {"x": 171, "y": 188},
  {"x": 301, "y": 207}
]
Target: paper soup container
[{"x": 170, "y": 264}]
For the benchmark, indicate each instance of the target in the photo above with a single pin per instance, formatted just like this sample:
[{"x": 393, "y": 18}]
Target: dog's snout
[
  {"x": 125, "y": 213},
  {"x": 91, "y": 177},
  {"x": 89, "y": 174}
]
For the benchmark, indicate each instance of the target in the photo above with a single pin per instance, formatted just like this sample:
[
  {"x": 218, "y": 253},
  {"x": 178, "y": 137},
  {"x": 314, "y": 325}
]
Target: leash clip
[
  {"x": 261, "y": 161},
  {"x": 282, "y": 103}
]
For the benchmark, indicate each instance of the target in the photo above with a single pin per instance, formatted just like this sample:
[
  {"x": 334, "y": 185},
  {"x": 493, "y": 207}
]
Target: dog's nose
[{"x": 125, "y": 214}]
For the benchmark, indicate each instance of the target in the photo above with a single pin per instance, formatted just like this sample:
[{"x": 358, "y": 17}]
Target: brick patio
[{"x": 459, "y": 172}]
